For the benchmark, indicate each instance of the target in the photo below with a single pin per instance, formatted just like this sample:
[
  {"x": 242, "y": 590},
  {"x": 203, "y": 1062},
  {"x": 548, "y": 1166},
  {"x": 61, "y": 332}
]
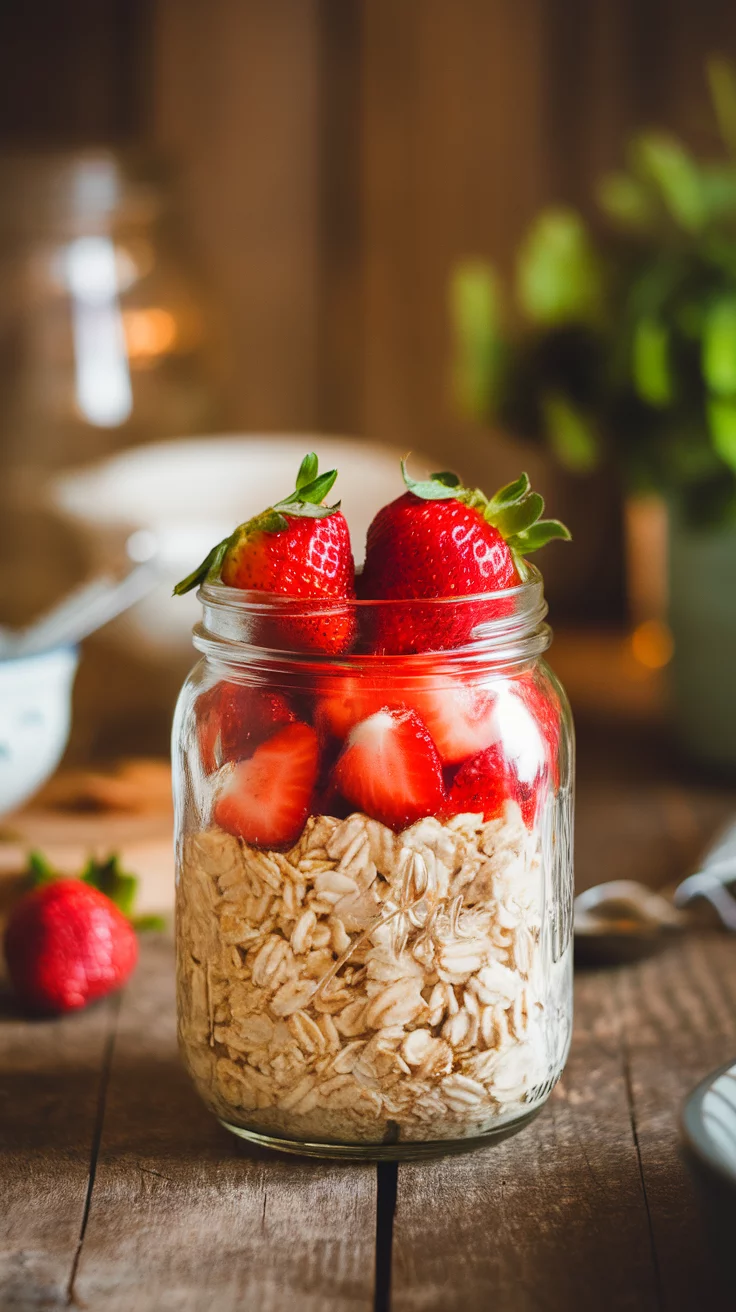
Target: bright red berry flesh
[{"x": 66, "y": 945}]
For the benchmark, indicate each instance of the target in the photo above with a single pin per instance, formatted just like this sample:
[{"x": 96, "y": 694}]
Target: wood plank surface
[
  {"x": 123, "y": 1193},
  {"x": 678, "y": 1023},
  {"x": 554, "y": 1218},
  {"x": 52, "y": 1077},
  {"x": 184, "y": 1217},
  {"x": 592, "y": 1206}
]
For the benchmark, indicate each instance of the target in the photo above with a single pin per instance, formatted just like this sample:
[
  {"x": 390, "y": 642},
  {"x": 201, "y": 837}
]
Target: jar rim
[
  {"x": 215, "y": 593},
  {"x": 229, "y": 630}
]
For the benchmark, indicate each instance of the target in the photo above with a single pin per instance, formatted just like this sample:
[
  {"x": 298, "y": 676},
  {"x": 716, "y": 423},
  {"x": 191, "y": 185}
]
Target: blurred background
[{"x": 257, "y": 217}]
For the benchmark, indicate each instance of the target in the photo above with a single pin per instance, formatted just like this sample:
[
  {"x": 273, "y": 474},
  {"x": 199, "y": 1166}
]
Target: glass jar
[
  {"x": 107, "y": 339},
  {"x": 373, "y": 985}
]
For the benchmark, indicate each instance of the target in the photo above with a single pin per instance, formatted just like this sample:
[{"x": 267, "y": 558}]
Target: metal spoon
[
  {"x": 623, "y": 920},
  {"x": 81, "y": 613}
]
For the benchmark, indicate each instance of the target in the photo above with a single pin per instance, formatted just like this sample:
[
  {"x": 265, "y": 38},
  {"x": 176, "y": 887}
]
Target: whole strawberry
[
  {"x": 66, "y": 945},
  {"x": 442, "y": 540},
  {"x": 300, "y": 549}
]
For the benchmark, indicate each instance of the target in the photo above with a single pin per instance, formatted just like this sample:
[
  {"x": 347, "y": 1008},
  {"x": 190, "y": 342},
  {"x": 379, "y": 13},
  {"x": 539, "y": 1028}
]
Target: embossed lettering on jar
[{"x": 374, "y": 882}]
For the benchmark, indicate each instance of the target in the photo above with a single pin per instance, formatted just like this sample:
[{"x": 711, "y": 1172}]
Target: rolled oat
[{"x": 366, "y": 985}]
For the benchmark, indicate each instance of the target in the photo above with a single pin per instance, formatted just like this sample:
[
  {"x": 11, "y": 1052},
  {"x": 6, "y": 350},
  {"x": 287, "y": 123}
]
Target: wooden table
[{"x": 121, "y": 1194}]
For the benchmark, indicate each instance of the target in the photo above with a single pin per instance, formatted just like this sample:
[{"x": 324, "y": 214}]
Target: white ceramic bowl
[
  {"x": 181, "y": 497},
  {"x": 35, "y": 712}
]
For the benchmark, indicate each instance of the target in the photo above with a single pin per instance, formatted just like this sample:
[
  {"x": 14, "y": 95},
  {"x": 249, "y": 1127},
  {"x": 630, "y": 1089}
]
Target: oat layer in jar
[{"x": 374, "y": 877}]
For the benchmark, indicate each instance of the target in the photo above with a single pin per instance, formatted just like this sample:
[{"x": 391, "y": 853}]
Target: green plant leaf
[
  {"x": 722, "y": 82},
  {"x": 572, "y": 436},
  {"x": 663, "y": 162},
  {"x": 718, "y": 185},
  {"x": 517, "y": 518},
  {"x": 626, "y": 202},
  {"x": 434, "y": 488},
  {"x": 210, "y": 568},
  {"x": 148, "y": 924},
  {"x": 108, "y": 878},
  {"x": 306, "y": 511},
  {"x": 271, "y": 521},
  {"x": 308, "y": 470},
  {"x": 312, "y": 493},
  {"x": 446, "y": 478},
  {"x": 718, "y": 249},
  {"x": 536, "y": 537},
  {"x": 690, "y": 456},
  {"x": 39, "y": 871},
  {"x": 722, "y": 424},
  {"x": 689, "y": 319},
  {"x": 719, "y": 346},
  {"x": 558, "y": 276},
  {"x": 477, "y": 338},
  {"x": 510, "y": 494},
  {"x": 650, "y": 363}
]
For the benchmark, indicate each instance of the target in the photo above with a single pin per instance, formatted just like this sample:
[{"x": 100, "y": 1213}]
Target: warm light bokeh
[{"x": 652, "y": 644}]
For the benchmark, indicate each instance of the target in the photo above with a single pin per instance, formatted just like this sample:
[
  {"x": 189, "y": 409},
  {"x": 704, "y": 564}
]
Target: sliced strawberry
[
  {"x": 391, "y": 770},
  {"x": 540, "y": 696},
  {"x": 528, "y": 721},
  {"x": 480, "y": 785},
  {"x": 234, "y": 718},
  {"x": 343, "y": 702},
  {"x": 266, "y": 799},
  {"x": 460, "y": 718}
]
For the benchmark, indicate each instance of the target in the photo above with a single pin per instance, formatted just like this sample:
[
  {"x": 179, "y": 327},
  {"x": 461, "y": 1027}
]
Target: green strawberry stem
[
  {"x": 305, "y": 502},
  {"x": 39, "y": 871},
  {"x": 514, "y": 510},
  {"x": 106, "y": 876}
]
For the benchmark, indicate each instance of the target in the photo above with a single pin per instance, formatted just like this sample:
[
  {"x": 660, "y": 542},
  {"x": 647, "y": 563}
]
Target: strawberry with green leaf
[
  {"x": 443, "y": 540},
  {"x": 71, "y": 941},
  {"x": 297, "y": 549}
]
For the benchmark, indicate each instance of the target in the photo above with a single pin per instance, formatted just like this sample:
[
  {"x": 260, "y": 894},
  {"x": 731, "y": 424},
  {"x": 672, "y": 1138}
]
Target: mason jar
[{"x": 383, "y": 980}]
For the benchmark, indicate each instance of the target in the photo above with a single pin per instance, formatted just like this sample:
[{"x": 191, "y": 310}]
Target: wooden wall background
[{"x": 338, "y": 155}]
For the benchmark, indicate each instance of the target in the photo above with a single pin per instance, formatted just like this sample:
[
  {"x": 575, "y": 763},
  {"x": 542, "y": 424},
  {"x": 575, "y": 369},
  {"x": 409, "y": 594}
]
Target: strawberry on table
[
  {"x": 443, "y": 540},
  {"x": 67, "y": 943},
  {"x": 390, "y": 769},
  {"x": 234, "y": 718},
  {"x": 266, "y": 799},
  {"x": 298, "y": 549}
]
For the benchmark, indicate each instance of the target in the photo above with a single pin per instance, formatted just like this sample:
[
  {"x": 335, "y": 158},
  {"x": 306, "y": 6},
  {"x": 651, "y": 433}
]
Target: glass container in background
[{"x": 106, "y": 341}]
